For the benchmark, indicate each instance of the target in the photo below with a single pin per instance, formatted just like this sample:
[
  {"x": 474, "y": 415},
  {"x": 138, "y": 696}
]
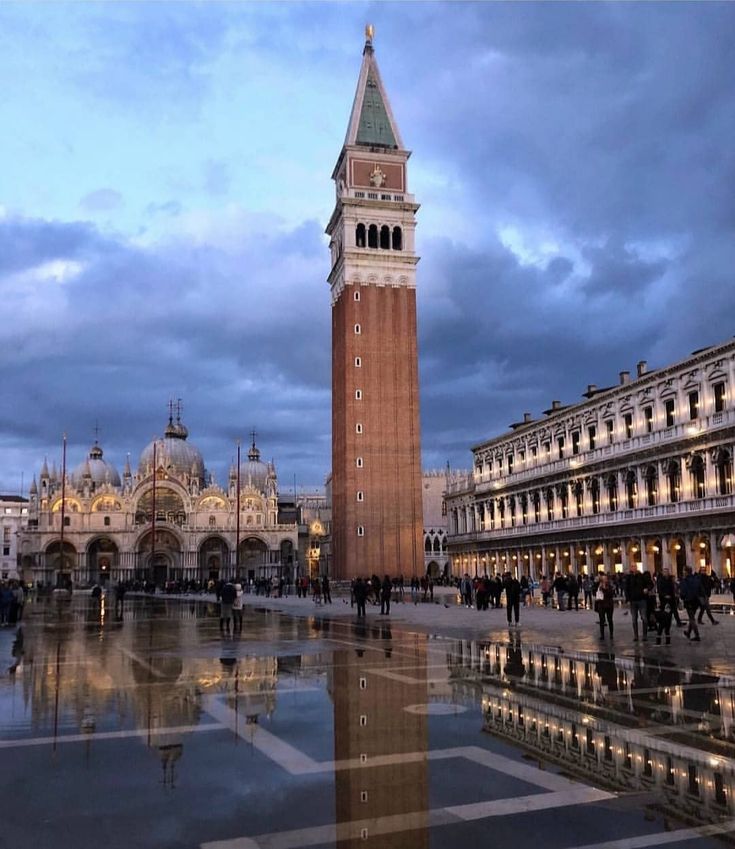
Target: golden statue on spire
[{"x": 369, "y": 32}]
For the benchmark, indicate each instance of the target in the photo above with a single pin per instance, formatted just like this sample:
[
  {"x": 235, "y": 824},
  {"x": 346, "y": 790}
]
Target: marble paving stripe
[
  {"x": 284, "y": 754},
  {"x": 523, "y": 771},
  {"x": 578, "y": 795},
  {"x": 107, "y": 735},
  {"x": 414, "y": 821},
  {"x": 662, "y": 838}
]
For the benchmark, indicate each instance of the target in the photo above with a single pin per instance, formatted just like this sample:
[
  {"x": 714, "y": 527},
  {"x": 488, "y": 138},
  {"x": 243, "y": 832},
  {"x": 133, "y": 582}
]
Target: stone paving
[{"x": 431, "y": 728}]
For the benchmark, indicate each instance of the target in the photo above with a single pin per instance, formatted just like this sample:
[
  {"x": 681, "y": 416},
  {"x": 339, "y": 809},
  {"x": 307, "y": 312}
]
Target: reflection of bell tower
[
  {"x": 371, "y": 720},
  {"x": 376, "y": 459}
]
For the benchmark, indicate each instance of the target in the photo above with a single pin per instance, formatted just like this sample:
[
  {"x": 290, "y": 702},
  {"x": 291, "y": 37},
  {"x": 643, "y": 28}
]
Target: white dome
[
  {"x": 96, "y": 469},
  {"x": 175, "y": 452}
]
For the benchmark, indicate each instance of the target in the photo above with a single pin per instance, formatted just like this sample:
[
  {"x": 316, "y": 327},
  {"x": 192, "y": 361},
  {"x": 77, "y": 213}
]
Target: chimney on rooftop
[
  {"x": 527, "y": 418},
  {"x": 624, "y": 377},
  {"x": 556, "y": 405},
  {"x": 591, "y": 388},
  {"x": 642, "y": 368}
]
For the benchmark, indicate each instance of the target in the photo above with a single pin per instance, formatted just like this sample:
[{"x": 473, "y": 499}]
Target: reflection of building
[
  {"x": 13, "y": 516},
  {"x": 376, "y": 459},
  {"x": 109, "y": 528},
  {"x": 371, "y": 721},
  {"x": 640, "y": 472},
  {"x": 532, "y": 694}
]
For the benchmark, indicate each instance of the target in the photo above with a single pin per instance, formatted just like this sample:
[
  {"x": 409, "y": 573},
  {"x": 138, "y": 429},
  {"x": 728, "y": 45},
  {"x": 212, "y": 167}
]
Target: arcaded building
[
  {"x": 640, "y": 472},
  {"x": 166, "y": 520},
  {"x": 376, "y": 452}
]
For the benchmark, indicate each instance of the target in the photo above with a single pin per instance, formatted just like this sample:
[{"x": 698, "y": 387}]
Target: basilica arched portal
[{"x": 162, "y": 565}]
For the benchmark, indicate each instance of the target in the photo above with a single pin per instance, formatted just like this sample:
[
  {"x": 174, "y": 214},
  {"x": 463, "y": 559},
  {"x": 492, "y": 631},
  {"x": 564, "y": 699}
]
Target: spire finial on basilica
[{"x": 253, "y": 454}]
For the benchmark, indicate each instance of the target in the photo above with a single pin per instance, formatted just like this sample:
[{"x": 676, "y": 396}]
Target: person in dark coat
[
  {"x": 326, "y": 590},
  {"x": 605, "y": 605},
  {"x": 638, "y": 586},
  {"x": 690, "y": 590},
  {"x": 707, "y": 585},
  {"x": 361, "y": 592},
  {"x": 385, "y": 590},
  {"x": 512, "y": 588}
]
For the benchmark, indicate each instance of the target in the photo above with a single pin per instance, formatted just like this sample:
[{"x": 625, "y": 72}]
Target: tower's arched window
[
  {"x": 385, "y": 237},
  {"x": 373, "y": 236},
  {"x": 360, "y": 235},
  {"x": 397, "y": 239}
]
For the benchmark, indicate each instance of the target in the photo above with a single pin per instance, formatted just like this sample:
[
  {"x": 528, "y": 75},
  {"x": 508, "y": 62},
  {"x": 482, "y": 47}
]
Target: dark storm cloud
[
  {"x": 135, "y": 326},
  {"x": 575, "y": 168}
]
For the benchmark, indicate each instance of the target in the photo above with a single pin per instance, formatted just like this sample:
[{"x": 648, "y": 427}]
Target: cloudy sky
[{"x": 164, "y": 187}]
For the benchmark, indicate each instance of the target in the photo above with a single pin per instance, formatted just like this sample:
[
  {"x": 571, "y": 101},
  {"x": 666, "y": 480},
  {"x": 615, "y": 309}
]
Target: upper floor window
[
  {"x": 106, "y": 521},
  {"x": 575, "y": 442},
  {"x": 651, "y": 479},
  {"x": 397, "y": 239},
  {"x": 670, "y": 412},
  {"x": 719, "y": 392},
  {"x": 648, "y": 418},
  {"x": 385, "y": 237},
  {"x": 673, "y": 475},
  {"x": 510, "y": 464},
  {"x": 373, "y": 236},
  {"x": 610, "y": 426},
  {"x": 724, "y": 472},
  {"x": 358, "y": 330},
  {"x": 358, "y": 394},
  {"x": 360, "y": 235},
  {"x": 631, "y": 489},
  {"x": 358, "y": 362},
  {"x": 592, "y": 436},
  {"x": 560, "y": 443},
  {"x": 628, "y": 424},
  {"x": 698, "y": 476},
  {"x": 356, "y": 296},
  {"x": 359, "y": 463},
  {"x": 693, "y": 405}
]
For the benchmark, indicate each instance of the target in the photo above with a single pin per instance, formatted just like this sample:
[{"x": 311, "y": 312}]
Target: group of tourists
[
  {"x": 653, "y": 603},
  {"x": 12, "y": 601}
]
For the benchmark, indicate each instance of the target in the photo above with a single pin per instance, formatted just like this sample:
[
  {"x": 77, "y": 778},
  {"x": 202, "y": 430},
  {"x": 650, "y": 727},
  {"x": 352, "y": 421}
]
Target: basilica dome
[
  {"x": 254, "y": 472},
  {"x": 174, "y": 452},
  {"x": 96, "y": 469}
]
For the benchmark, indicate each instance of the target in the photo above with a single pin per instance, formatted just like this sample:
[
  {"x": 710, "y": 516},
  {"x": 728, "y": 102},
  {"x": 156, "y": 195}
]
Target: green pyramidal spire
[
  {"x": 374, "y": 127},
  {"x": 371, "y": 122}
]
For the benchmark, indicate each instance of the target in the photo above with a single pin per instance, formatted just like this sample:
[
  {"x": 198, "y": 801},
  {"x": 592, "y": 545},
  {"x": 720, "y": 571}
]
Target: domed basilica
[{"x": 167, "y": 520}]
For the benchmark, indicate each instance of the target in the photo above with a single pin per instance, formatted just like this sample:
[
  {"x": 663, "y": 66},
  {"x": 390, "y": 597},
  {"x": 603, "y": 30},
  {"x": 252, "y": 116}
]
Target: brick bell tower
[{"x": 377, "y": 517}]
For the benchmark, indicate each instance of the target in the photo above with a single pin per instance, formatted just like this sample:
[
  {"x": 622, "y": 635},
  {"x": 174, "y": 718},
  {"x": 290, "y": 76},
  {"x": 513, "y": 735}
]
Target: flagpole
[
  {"x": 63, "y": 500},
  {"x": 153, "y": 518},
  {"x": 237, "y": 520}
]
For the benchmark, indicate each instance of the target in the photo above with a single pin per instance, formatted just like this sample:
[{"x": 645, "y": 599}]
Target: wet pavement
[{"x": 431, "y": 728}]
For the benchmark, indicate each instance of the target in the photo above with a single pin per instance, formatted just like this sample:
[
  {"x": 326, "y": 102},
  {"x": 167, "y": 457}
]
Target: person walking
[
  {"x": 385, "y": 590},
  {"x": 636, "y": 594},
  {"x": 706, "y": 584},
  {"x": 326, "y": 590},
  {"x": 361, "y": 592},
  {"x": 587, "y": 590},
  {"x": 690, "y": 591},
  {"x": 573, "y": 591},
  {"x": 466, "y": 590},
  {"x": 512, "y": 588},
  {"x": 667, "y": 604},
  {"x": 227, "y": 599},
  {"x": 605, "y": 605},
  {"x": 237, "y": 610},
  {"x": 545, "y": 590}
]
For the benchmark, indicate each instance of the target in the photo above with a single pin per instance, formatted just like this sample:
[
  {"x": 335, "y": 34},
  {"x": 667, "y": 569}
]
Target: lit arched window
[
  {"x": 673, "y": 474},
  {"x": 697, "y": 470},
  {"x": 651, "y": 478},
  {"x": 724, "y": 472}
]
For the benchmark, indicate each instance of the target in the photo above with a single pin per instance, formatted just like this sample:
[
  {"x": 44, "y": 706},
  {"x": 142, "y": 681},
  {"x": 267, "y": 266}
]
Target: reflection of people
[{"x": 514, "y": 667}]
